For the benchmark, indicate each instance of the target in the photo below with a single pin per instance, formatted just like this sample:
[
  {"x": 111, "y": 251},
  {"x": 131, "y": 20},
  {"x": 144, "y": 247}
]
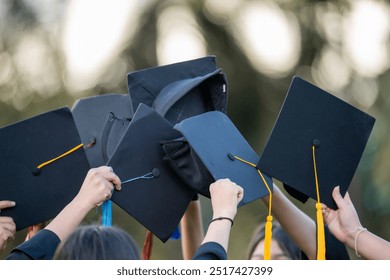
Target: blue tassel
[
  {"x": 176, "y": 234},
  {"x": 107, "y": 213}
]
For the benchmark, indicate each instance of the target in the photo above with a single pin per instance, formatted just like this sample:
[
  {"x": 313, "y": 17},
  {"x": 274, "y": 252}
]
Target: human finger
[
  {"x": 110, "y": 176},
  {"x": 337, "y": 197},
  {"x": 7, "y": 204}
]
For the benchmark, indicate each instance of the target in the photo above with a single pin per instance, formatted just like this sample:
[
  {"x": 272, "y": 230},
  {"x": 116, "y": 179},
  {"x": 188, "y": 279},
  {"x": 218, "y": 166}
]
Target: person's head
[
  {"x": 282, "y": 246},
  {"x": 94, "y": 242}
]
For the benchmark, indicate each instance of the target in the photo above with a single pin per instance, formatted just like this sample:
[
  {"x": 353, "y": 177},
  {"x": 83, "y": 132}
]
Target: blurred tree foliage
[{"x": 33, "y": 80}]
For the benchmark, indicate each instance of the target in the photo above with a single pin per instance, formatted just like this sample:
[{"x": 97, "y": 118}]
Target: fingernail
[{"x": 13, "y": 203}]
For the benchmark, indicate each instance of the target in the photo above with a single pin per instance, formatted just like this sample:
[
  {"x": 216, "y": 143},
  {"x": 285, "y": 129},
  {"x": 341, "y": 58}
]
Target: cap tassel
[
  {"x": 320, "y": 233},
  {"x": 148, "y": 244},
  {"x": 107, "y": 213},
  {"x": 39, "y": 167},
  {"x": 176, "y": 234},
  {"x": 268, "y": 238},
  {"x": 268, "y": 224},
  {"x": 320, "y": 219}
]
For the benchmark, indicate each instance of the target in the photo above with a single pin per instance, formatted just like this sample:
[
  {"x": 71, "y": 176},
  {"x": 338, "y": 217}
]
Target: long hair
[
  {"x": 94, "y": 242},
  {"x": 278, "y": 234}
]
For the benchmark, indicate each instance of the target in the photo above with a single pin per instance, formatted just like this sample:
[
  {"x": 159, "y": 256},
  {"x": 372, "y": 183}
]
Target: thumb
[{"x": 337, "y": 197}]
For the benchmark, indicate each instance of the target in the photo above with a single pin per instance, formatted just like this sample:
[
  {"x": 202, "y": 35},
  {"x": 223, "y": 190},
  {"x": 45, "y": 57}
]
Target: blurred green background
[{"x": 53, "y": 52}]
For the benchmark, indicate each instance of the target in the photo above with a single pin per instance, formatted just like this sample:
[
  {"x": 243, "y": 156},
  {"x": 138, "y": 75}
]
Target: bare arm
[
  {"x": 97, "y": 188},
  {"x": 295, "y": 222},
  {"x": 191, "y": 230},
  {"x": 344, "y": 223},
  {"x": 225, "y": 196}
]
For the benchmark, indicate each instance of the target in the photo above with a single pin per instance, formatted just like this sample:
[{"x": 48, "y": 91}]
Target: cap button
[
  {"x": 155, "y": 172},
  {"x": 230, "y": 156},
  {"x": 36, "y": 171},
  {"x": 316, "y": 143},
  {"x": 92, "y": 140}
]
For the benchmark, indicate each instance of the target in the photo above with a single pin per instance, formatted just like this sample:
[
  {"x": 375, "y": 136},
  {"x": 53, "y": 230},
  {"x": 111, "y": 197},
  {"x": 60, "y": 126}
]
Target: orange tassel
[{"x": 148, "y": 244}]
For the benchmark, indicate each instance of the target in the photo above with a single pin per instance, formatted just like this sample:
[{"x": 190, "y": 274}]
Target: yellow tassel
[
  {"x": 320, "y": 218},
  {"x": 320, "y": 233},
  {"x": 60, "y": 156},
  {"x": 268, "y": 224},
  {"x": 268, "y": 238}
]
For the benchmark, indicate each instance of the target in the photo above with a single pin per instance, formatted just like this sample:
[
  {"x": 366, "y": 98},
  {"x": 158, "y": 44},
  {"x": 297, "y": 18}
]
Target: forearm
[
  {"x": 300, "y": 227},
  {"x": 68, "y": 219},
  {"x": 369, "y": 246},
  {"x": 219, "y": 232},
  {"x": 191, "y": 230}
]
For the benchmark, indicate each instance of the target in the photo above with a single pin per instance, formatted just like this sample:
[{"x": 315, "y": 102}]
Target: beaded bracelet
[
  {"x": 358, "y": 230},
  {"x": 222, "y": 218}
]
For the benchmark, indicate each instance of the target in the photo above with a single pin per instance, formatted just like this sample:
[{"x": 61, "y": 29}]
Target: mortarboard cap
[
  {"x": 101, "y": 121},
  {"x": 217, "y": 142},
  {"x": 151, "y": 192},
  {"x": 311, "y": 116},
  {"x": 315, "y": 145},
  {"x": 180, "y": 90},
  {"x": 43, "y": 165}
]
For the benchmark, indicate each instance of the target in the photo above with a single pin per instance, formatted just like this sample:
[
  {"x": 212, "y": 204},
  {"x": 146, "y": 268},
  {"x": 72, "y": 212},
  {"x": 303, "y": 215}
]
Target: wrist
[
  {"x": 222, "y": 219},
  {"x": 228, "y": 214},
  {"x": 359, "y": 230},
  {"x": 81, "y": 205},
  {"x": 351, "y": 234}
]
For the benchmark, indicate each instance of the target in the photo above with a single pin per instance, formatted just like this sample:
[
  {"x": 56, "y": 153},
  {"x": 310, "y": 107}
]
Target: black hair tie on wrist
[{"x": 221, "y": 218}]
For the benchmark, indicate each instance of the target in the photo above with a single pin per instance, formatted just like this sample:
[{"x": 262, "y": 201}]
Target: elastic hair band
[
  {"x": 358, "y": 230},
  {"x": 221, "y": 218}
]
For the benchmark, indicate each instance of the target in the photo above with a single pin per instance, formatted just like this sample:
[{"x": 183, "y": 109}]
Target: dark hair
[
  {"x": 94, "y": 242},
  {"x": 278, "y": 234}
]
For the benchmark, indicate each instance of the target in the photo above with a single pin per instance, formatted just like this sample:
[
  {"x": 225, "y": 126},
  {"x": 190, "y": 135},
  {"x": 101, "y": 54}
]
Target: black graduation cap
[
  {"x": 220, "y": 146},
  {"x": 180, "y": 90},
  {"x": 338, "y": 131},
  {"x": 151, "y": 192},
  {"x": 101, "y": 121},
  {"x": 42, "y": 167},
  {"x": 315, "y": 145}
]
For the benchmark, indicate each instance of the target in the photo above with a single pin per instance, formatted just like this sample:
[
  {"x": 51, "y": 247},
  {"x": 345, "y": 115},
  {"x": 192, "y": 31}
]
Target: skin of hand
[
  {"x": 96, "y": 188},
  {"x": 345, "y": 225},
  {"x": 225, "y": 196},
  {"x": 344, "y": 221},
  {"x": 7, "y": 225}
]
